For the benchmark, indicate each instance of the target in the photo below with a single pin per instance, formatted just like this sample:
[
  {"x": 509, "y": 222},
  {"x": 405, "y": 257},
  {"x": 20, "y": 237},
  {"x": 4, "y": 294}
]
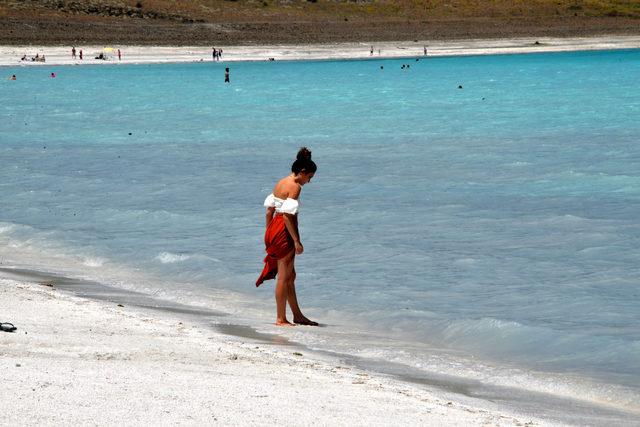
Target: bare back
[{"x": 287, "y": 188}]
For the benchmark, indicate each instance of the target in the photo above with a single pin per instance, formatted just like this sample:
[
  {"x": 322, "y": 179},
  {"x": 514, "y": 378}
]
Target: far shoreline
[{"x": 133, "y": 54}]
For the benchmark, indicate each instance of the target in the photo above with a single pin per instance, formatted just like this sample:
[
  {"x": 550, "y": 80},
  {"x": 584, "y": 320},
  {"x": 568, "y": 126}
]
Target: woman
[{"x": 282, "y": 238}]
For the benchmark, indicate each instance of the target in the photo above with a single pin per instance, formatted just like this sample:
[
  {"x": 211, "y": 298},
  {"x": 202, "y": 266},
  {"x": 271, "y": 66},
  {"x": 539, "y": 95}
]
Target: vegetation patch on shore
[{"x": 203, "y": 22}]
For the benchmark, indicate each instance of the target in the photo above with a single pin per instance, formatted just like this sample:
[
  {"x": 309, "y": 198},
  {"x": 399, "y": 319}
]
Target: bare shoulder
[
  {"x": 286, "y": 188},
  {"x": 295, "y": 191}
]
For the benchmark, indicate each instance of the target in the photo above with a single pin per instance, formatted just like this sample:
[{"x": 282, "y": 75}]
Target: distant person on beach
[
  {"x": 282, "y": 238},
  {"x": 226, "y": 75},
  {"x": 214, "y": 53},
  {"x": 73, "y": 52},
  {"x": 80, "y": 54},
  {"x": 371, "y": 51},
  {"x": 119, "y": 55},
  {"x": 425, "y": 51}
]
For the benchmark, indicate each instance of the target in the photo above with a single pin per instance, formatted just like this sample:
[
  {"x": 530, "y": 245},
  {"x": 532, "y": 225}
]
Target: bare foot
[
  {"x": 305, "y": 321},
  {"x": 284, "y": 322}
]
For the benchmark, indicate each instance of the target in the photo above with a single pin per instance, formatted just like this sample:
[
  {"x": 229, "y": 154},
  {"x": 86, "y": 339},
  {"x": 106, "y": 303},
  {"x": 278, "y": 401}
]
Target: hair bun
[{"x": 304, "y": 154}]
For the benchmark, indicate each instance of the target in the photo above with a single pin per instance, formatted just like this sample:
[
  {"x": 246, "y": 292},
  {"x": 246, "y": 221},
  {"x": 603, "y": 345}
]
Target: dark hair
[{"x": 303, "y": 162}]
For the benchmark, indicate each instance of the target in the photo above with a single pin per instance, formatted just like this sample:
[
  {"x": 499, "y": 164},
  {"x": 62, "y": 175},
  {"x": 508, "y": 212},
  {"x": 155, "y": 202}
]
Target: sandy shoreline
[
  {"x": 61, "y": 55},
  {"x": 74, "y": 360}
]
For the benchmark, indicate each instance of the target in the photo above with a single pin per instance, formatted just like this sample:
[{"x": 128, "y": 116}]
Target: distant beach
[{"x": 61, "y": 55}]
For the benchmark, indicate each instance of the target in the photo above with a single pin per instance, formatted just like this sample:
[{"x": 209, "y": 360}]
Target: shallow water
[{"x": 489, "y": 232}]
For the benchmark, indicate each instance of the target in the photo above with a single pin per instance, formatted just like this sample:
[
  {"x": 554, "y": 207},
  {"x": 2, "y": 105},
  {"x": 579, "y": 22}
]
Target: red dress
[
  {"x": 277, "y": 239},
  {"x": 278, "y": 243}
]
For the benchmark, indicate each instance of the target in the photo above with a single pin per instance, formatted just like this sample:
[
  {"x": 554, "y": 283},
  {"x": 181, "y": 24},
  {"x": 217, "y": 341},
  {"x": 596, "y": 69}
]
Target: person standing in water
[
  {"x": 226, "y": 75},
  {"x": 282, "y": 238}
]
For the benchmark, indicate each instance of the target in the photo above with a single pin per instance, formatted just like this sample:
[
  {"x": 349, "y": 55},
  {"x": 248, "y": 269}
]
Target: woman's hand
[{"x": 299, "y": 248}]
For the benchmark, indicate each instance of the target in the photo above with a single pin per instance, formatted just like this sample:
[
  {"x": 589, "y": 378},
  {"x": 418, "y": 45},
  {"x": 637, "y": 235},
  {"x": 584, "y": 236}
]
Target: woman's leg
[
  {"x": 298, "y": 317},
  {"x": 285, "y": 270}
]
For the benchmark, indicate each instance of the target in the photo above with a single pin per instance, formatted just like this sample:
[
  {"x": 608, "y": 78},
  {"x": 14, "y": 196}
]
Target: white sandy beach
[
  {"x": 61, "y": 55},
  {"x": 78, "y": 361}
]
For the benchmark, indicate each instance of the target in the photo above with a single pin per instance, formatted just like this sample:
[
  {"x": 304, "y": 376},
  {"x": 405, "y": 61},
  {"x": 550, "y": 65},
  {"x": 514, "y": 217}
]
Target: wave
[
  {"x": 94, "y": 262},
  {"x": 170, "y": 258}
]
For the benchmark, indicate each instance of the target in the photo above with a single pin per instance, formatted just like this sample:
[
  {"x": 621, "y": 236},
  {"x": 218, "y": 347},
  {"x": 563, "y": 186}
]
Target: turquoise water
[{"x": 489, "y": 232}]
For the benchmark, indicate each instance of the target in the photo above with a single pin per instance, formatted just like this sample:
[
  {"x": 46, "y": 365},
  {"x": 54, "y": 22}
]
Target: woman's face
[{"x": 305, "y": 178}]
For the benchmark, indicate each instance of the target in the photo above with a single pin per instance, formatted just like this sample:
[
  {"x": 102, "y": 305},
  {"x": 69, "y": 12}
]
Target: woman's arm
[
  {"x": 269, "y": 215},
  {"x": 291, "y": 222}
]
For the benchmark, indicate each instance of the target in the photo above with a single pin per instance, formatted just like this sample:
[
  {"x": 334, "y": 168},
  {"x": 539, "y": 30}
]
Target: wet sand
[{"x": 78, "y": 360}]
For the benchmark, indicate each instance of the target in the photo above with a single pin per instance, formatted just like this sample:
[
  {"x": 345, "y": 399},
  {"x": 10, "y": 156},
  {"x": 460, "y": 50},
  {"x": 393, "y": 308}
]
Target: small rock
[
  {"x": 295, "y": 353},
  {"x": 18, "y": 365},
  {"x": 120, "y": 305}
]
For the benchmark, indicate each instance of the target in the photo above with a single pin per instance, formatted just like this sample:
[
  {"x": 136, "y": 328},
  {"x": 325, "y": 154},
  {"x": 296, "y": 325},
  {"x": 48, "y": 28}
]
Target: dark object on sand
[{"x": 7, "y": 327}]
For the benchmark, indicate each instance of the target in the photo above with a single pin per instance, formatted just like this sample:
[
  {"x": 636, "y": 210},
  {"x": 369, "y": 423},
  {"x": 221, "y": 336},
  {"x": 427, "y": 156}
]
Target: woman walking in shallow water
[{"x": 282, "y": 238}]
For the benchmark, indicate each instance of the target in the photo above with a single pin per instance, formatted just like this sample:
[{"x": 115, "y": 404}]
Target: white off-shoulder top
[{"x": 289, "y": 206}]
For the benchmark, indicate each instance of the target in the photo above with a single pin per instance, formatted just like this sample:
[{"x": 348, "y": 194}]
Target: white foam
[
  {"x": 94, "y": 262},
  {"x": 170, "y": 258},
  {"x": 4, "y": 228}
]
